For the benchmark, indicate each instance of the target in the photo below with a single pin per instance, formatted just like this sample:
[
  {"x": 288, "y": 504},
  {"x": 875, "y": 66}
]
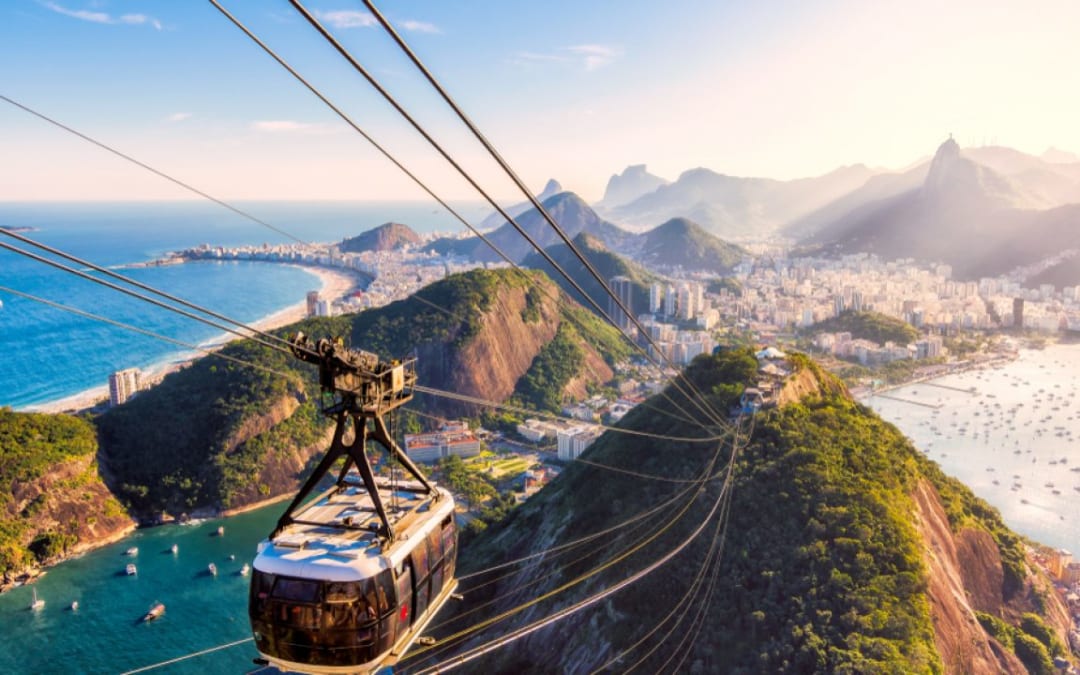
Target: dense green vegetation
[
  {"x": 871, "y": 326},
  {"x": 171, "y": 448},
  {"x": 822, "y": 567},
  {"x": 31, "y": 446},
  {"x": 1032, "y": 641},
  {"x": 555, "y": 365}
]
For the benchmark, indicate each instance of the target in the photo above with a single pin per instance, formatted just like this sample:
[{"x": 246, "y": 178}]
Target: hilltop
[
  {"x": 873, "y": 326},
  {"x": 845, "y": 550},
  {"x": 385, "y": 237},
  {"x": 680, "y": 242},
  {"x": 218, "y": 435}
]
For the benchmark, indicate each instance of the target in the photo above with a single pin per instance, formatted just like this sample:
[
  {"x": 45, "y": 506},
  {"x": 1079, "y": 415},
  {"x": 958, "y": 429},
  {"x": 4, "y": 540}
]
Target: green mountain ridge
[
  {"x": 217, "y": 435},
  {"x": 682, "y": 242},
  {"x": 831, "y": 560},
  {"x": 385, "y": 237}
]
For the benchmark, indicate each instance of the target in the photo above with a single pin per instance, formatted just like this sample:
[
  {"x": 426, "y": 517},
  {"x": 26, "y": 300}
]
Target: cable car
[{"x": 349, "y": 579}]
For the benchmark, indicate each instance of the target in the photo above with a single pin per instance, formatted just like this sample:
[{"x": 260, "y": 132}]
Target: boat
[
  {"x": 130, "y": 569},
  {"x": 221, "y": 531},
  {"x": 175, "y": 549},
  {"x": 155, "y": 611},
  {"x": 245, "y": 569},
  {"x": 213, "y": 569},
  {"x": 37, "y": 603},
  {"x": 133, "y": 551},
  {"x": 74, "y": 605}
]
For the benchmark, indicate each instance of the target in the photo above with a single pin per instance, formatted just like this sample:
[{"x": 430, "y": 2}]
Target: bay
[
  {"x": 1014, "y": 425},
  {"x": 51, "y": 354}
]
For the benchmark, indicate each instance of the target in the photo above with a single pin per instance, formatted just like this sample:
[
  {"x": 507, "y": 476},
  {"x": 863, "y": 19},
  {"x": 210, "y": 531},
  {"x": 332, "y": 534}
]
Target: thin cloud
[
  {"x": 587, "y": 57},
  {"x": 178, "y": 117},
  {"x": 292, "y": 127},
  {"x": 419, "y": 27},
  {"x": 104, "y": 17},
  {"x": 594, "y": 56},
  {"x": 347, "y": 18}
]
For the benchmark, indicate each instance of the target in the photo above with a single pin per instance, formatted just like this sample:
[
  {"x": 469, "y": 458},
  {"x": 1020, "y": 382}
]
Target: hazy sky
[{"x": 571, "y": 89}]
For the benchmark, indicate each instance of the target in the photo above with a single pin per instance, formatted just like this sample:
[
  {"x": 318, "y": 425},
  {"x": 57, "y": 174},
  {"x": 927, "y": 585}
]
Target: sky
[{"x": 574, "y": 90}]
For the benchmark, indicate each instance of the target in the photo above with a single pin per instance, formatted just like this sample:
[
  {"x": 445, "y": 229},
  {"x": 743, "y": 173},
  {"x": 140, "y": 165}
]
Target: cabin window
[
  {"x": 435, "y": 546},
  {"x": 342, "y": 591},
  {"x": 384, "y": 591},
  {"x": 420, "y": 559},
  {"x": 297, "y": 590}
]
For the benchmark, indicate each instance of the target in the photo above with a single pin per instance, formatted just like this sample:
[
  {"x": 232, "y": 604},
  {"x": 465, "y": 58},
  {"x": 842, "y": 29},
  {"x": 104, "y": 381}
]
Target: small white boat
[
  {"x": 130, "y": 569},
  {"x": 133, "y": 551},
  {"x": 245, "y": 569},
  {"x": 175, "y": 549},
  {"x": 74, "y": 605},
  {"x": 213, "y": 569},
  {"x": 221, "y": 531},
  {"x": 37, "y": 603},
  {"x": 156, "y": 610}
]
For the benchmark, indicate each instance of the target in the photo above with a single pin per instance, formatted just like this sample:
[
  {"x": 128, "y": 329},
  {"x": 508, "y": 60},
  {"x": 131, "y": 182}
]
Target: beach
[{"x": 335, "y": 283}]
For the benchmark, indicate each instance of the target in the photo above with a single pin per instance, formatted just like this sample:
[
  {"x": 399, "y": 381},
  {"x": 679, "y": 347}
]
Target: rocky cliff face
[
  {"x": 513, "y": 329},
  {"x": 844, "y": 550},
  {"x": 63, "y": 512}
]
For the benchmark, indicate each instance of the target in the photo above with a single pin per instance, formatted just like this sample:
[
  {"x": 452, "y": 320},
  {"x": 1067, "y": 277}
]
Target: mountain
[
  {"x": 841, "y": 549},
  {"x": 682, "y": 242},
  {"x": 385, "y": 237},
  {"x": 495, "y": 219},
  {"x": 567, "y": 209},
  {"x": 218, "y": 435},
  {"x": 730, "y": 206},
  {"x": 966, "y": 214},
  {"x": 1056, "y": 156},
  {"x": 606, "y": 263},
  {"x": 54, "y": 503},
  {"x": 635, "y": 181}
]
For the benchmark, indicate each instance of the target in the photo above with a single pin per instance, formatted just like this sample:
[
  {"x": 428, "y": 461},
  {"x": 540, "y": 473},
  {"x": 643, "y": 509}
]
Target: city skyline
[{"x": 564, "y": 91}]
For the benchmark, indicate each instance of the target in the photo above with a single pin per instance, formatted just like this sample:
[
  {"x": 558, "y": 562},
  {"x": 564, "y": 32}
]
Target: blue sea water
[{"x": 51, "y": 354}]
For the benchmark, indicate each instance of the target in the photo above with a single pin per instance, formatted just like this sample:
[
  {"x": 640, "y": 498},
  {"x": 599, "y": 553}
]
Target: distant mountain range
[
  {"x": 635, "y": 181},
  {"x": 984, "y": 211},
  {"x": 731, "y": 206},
  {"x": 681, "y": 242}
]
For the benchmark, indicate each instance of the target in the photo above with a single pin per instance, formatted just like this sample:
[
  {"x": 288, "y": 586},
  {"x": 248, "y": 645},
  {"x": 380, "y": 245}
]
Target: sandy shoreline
[{"x": 336, "y": 283}]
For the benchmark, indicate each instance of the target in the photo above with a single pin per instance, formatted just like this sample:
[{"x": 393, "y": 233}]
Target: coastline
[{"x": 336, "y": 283}]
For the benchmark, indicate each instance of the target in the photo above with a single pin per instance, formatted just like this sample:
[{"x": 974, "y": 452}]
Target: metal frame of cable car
[
  {"x": 342, "y": 585},
  {"x": 364, "y": 389}
]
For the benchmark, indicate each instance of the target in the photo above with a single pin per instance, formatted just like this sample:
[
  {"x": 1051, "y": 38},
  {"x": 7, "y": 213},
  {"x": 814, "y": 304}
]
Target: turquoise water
[
  {"x": 1019, "y": 426},
  {"x": 51, "y": 354},
  {"x": 104, "y": 635}
]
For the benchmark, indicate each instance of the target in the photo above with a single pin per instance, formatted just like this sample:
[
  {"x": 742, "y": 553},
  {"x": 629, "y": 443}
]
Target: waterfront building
[
  {"x": 312, "y": 303},
  {"x": 123, "y": 384}
]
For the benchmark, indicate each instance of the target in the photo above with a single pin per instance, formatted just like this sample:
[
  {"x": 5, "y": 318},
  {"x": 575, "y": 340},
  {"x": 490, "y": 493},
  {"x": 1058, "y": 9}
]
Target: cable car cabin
[{"x": 328, "y": 596}]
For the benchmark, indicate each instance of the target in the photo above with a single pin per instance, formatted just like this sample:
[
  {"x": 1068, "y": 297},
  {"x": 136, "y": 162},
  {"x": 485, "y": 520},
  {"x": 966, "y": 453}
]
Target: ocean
[{"x": 51, "y": 354}]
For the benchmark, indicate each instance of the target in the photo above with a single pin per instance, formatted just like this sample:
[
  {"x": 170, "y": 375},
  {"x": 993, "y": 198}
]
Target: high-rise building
[
  {"x": 312, "y": 303},
  {"x": 671, "y": 301},
  {"x": 623, "y": 289},
  {"x": 1018, "y": 313},
  {"x": 123, "y": 384},
  {"x": 656, "y": 298}
]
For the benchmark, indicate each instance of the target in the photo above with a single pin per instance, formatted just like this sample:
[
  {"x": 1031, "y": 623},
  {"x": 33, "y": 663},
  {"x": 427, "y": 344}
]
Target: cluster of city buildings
[
  {"x": 1065, "y": 572},
  {"x": 781, "y": 294},
  {"x": 869, "y": 353}
]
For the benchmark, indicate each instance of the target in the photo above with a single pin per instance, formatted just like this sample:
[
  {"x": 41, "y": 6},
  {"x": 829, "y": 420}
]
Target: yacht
[
  {"x": 130, "y": 569},
  {"x": 213, "y": 569},
  {"x": 37, "y": 603}
]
